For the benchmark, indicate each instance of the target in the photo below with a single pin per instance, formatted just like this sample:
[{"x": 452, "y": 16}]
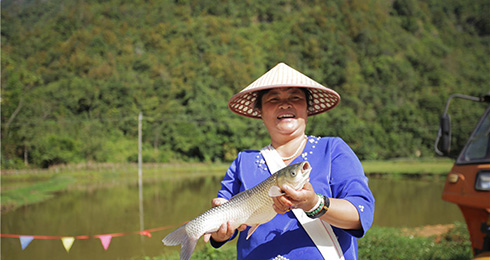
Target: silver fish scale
[{"x": 250, "y": 207}]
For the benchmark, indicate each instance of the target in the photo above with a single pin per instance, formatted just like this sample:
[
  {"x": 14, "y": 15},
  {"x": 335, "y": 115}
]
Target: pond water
[{"x": 168, "y": 203}]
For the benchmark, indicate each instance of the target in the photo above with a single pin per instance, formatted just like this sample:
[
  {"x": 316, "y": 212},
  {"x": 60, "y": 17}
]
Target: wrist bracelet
[
  {"x": 316, "y": 205},
  {"x": 321, "y": 209}
]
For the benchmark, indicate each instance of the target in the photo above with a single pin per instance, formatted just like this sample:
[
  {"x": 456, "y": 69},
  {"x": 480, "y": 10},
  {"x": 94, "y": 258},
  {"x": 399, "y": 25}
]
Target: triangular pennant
[
  {"x": 67, "y": 242},
  {"x": 25, "y": 241},
  {"x": 106, "y": 240}
]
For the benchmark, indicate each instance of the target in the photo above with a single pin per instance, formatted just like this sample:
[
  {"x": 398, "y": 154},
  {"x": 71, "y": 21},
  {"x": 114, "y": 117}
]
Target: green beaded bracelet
[
  {"x": 312, "y": 213},
  {"x": 322, "y": 208}
]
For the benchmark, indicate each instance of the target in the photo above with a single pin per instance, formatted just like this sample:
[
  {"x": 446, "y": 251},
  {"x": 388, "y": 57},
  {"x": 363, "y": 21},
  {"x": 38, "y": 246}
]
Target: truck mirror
[{"x": 445, "y": 134}]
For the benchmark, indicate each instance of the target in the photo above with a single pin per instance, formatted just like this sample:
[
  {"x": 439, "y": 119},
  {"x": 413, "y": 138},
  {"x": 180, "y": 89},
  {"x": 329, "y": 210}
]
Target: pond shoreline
[
  {"x": 394, "y": 166},
  {"x": 421, "y": 176},
  {"x": 19, "y": 186}
]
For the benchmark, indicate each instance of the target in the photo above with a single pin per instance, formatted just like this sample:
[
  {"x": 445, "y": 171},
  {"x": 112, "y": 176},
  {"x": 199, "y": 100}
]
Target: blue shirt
[{"x": 336, "y": 173}]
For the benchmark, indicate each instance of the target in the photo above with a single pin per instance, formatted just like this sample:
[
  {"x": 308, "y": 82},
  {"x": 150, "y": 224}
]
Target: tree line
[{"x": 76, "y": 73}]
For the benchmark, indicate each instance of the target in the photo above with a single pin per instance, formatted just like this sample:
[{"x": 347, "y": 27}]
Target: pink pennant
[{"x": 106, "y": 240}]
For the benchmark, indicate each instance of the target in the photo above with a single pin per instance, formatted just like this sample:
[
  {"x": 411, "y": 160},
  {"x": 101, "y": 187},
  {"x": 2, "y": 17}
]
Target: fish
[{"x": 251, "y": 207}]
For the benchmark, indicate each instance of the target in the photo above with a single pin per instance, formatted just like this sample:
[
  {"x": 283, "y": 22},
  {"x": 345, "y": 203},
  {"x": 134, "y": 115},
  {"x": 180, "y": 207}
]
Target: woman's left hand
[{"x": 305, "y": 199}]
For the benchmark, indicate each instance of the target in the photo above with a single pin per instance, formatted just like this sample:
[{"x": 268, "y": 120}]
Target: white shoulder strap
[{"x": 320, "y": 232}]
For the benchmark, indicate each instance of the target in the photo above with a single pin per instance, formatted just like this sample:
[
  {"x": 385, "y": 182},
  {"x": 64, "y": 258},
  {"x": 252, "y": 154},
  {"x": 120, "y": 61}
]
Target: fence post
[{"x": 140, "y": 170}]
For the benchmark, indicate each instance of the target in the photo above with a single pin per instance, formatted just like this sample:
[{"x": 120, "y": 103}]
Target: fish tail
[{"x": 180, "y": 237}]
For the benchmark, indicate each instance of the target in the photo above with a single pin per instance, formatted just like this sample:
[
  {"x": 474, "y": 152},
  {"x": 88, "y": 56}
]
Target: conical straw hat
[{"x": 322, "y": 99}]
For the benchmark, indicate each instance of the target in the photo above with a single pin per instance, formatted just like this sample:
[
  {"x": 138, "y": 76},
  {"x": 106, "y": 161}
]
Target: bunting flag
[
  {"x": 67, "y": 242},
  {"x": 106, "y": 240},
  {"x": 25, "y": 241}
]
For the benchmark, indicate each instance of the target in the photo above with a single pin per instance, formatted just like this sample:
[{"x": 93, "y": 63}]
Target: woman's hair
[{"x": 261, "y": 93}]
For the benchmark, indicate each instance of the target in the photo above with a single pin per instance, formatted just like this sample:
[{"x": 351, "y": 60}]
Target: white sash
[{"x": 319, "y": 231}]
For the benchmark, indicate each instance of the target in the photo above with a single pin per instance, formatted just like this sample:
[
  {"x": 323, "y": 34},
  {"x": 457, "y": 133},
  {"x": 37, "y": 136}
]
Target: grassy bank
[
  {"x": 407, "y": 168},
  {"x": 23, "y": 187},
  {"x": 381, "y": 243},
  {"x": 38, "y": 192},
  {"x": 402, "y": 243}
]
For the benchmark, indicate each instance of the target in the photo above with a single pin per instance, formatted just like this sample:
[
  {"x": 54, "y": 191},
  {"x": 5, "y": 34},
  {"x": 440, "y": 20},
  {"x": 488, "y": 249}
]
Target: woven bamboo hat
[{"x": 321, "y": 100}]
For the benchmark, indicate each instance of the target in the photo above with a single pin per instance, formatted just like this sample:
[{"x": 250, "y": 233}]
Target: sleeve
[
  {"x": 349, "y": 182},
  {"x": 230, "y": 186}
]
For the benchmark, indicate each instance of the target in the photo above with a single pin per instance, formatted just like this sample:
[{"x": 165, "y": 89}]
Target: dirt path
[{"x": 428, "y": 231}]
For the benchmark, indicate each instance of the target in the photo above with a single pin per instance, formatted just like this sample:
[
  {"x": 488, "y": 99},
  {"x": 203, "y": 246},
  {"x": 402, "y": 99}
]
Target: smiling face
[{"x": 284, "y": 111}]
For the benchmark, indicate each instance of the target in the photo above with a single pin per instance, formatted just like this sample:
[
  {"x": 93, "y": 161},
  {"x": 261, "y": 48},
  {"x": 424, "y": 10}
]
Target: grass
[
  {"x": 394, "y": 243},
  {"x": 207, "y": 252},
  {"x": 38, "y": 192},
  {"x": 379, "y": 243},
  {"x": 406, "y": 167}
]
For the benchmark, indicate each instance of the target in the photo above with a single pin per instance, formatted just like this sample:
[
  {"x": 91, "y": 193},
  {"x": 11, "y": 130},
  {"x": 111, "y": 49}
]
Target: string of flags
[{"x": 68, "y": 241}]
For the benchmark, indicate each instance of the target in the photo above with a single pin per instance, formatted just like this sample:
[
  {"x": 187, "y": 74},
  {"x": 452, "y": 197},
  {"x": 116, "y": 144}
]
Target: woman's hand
[
  {"x": 226, "y": 230},
  {"x": 305, "y": 199},
  {"x": 341, "y": 213}
]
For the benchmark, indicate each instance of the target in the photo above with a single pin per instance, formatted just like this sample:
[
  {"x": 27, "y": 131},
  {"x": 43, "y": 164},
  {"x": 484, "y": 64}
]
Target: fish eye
[{"x": 293, "y": 174}]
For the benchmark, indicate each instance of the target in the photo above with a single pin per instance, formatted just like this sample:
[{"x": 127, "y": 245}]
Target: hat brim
[{"x": 321, "y": 100}]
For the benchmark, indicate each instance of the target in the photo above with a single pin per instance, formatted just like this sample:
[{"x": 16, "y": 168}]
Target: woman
[{"x": 325, "y": 218}]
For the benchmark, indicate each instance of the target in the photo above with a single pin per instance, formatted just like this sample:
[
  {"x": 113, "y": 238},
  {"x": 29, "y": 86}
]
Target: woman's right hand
[{"x": 225, "y": 231}]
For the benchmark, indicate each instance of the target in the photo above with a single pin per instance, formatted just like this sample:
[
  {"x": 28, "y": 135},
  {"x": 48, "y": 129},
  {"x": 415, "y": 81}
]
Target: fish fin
[
  {"x": 187, "y": 249},
  {"x": 275, "y": 191},
  {"x": 252, "y": 230},
  {"x": 180, "y": 237},
  {"x": 177, "y": 237}
]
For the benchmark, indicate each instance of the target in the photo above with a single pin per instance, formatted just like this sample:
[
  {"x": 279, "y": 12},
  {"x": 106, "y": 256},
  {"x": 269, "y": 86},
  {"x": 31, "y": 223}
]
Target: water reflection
[
  {"x": 97, "y": 211},
  {"x": 411, "y": 203}
]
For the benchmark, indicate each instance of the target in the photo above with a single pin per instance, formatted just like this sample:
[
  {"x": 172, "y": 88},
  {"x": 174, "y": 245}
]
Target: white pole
[{"x": 140, "y": 171}]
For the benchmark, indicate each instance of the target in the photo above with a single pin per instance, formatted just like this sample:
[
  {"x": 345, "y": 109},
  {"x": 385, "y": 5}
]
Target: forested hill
[{"x": 76, "y": 73}]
